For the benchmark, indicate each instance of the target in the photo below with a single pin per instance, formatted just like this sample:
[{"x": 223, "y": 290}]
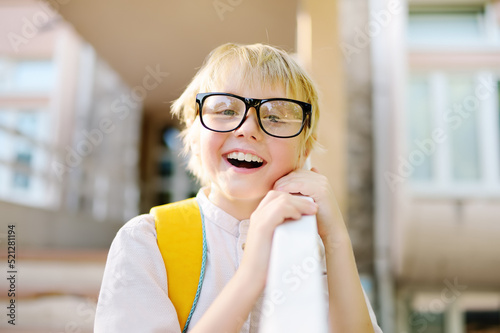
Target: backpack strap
[{"x": 181, "y": 239}]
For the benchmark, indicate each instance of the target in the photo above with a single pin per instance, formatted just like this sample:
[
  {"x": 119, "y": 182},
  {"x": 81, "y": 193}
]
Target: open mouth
[{"x": 242, "y": 160}]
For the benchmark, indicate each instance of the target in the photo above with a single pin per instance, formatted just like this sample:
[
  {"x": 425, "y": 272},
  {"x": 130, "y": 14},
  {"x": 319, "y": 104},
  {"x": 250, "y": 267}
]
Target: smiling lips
[{"x": 242, "y": 160}]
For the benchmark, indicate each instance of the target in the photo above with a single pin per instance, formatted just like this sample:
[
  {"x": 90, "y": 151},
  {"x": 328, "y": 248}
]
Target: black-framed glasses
[{"x": 278, "y": 117}]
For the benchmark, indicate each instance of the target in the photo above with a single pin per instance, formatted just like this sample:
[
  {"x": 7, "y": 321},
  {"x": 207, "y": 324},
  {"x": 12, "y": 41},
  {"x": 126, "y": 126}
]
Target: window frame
[{"x": 441, "y": 183}]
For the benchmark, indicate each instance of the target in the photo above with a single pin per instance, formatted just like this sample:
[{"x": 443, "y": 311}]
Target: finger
[
  {"x": 289, "y": 178},
  {"x": 291, "y": 206},
  {"x": 294, "y": 184},
  {"x": 304, "y": 205}
]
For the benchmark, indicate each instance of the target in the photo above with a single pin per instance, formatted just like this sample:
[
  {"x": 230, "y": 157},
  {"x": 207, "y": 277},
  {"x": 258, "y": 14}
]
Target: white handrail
[{"x": 294, "y": 298}]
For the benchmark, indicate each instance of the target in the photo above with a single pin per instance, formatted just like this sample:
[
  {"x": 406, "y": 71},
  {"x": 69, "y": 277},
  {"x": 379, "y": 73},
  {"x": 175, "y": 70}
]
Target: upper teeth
[{"x": 244, "y": 157}]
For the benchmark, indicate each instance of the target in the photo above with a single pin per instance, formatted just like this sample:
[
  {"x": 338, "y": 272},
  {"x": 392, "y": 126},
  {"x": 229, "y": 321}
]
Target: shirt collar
[{"x": 216, "y": 215}]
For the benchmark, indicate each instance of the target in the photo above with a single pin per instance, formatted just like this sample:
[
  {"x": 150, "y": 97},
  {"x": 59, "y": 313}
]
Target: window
[
  {"x": 21, "y": 178},
  {"x": 463, "y": 133},
  {"x": 482, "y": 321},
  {"x": 26, "y": 76},
  {"x": 426, "y": 322},
  {"x": 453, "y": 132},
  {"x": 447, "y": 26},
  {"x": 25, "y": 90},
  {"x": 175, "y": 182},
  {"x": 420, "y": 122},
  {"x": 23, "y": 155},
  {"x": 451, "y": 310}
]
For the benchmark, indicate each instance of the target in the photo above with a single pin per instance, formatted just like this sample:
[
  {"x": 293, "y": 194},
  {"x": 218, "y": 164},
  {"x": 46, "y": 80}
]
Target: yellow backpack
[{"x": 181, "y": 239}]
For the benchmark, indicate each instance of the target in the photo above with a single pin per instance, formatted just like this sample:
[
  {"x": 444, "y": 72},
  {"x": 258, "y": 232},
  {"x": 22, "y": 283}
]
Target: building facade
[
  {"x": 69, "y": 125},
  {"x": 436, "y": 112}
]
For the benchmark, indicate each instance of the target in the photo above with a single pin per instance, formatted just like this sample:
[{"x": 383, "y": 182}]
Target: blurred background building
[
  {"x": 410, "y": 122},
  {"x": 445, "y": 170}
]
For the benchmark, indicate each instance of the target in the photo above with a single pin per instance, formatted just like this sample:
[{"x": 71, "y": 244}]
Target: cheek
[
  {"x": 210, "y": 145},
  {"x": 193, "y": 138},
  {"x": 289, "y": 155}
]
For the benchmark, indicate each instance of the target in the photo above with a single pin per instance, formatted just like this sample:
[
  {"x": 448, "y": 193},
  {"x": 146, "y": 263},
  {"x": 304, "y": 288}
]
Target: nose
[{"x": 250, "y": 126}]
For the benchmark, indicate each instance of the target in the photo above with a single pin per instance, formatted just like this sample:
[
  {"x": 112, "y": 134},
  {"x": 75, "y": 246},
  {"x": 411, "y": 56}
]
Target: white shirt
[{"x": 134, "y": 296}]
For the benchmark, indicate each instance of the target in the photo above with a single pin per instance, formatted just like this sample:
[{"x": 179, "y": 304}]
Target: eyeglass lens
[{"x": 278, "y": 117}]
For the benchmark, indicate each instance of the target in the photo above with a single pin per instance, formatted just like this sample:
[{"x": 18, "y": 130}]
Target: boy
[{"x": 251, "y": 116}]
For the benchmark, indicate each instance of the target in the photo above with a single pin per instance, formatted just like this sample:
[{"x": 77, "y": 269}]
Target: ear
[
  {"x": 306, "y": 153},
  {"x": 307, "y": 163}
]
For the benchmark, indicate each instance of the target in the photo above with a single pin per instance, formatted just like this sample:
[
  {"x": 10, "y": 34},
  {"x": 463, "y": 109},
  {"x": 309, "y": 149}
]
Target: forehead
[
  {"x": 252, "y": 89},
  {"x": 244, "y": 80}
]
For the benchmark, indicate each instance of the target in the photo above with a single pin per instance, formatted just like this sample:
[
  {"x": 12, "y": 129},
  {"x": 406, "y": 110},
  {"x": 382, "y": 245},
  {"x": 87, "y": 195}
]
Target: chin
[{"x": 245, "y": 193}]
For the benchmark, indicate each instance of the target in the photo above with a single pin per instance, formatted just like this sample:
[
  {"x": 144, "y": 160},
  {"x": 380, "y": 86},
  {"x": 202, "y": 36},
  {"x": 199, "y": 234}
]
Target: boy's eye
[
  {"x": 228, "y": 112},
  {"x": 272, "y": 118}
]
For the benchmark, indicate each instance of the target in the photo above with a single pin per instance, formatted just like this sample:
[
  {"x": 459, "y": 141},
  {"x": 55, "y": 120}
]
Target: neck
[{"x": 240, "y": 209}]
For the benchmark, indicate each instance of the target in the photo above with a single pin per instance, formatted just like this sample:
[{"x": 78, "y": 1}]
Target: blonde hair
[{"x": 258, "y": 64}]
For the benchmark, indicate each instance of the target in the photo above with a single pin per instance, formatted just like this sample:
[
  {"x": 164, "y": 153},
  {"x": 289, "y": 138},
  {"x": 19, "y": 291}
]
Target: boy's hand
[
  {"x": 315, "y": 185},
  {"x": 276, "y": 208}
]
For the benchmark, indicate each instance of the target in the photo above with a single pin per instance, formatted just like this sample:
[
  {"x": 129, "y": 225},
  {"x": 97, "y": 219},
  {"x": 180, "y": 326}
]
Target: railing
[{"x": 294, "y": 298}]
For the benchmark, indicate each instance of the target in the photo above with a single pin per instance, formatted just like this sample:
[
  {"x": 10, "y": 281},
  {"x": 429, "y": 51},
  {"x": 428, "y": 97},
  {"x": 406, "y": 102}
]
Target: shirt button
[{"x": 243, "y": 246}]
